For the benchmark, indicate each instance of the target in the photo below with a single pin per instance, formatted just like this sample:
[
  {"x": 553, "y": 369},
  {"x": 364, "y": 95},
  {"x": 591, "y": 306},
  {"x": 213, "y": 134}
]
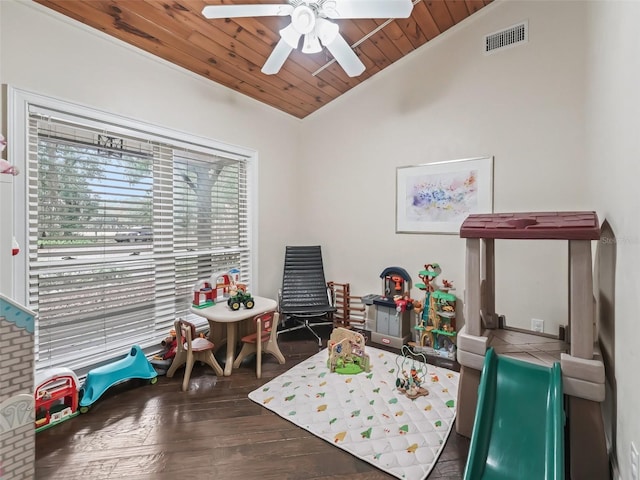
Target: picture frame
[{"x": 438, "y": 197}]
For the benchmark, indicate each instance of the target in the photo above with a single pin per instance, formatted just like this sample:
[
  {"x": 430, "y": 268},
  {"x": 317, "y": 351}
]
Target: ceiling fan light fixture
[
  {"x": 290, "y": 35},
  {"x": 327, "y": 31},
  {"x": 311, "y": 43},
  {"x": 303, "y": 19},
  {"x": 313, "y": 20}
]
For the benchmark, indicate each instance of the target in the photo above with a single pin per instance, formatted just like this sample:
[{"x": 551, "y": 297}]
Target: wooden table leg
[{"x": 231, "y": 348}]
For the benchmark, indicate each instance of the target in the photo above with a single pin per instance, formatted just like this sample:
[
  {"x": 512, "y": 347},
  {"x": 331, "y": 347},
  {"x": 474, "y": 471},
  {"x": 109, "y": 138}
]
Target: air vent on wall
[{"x": 509, "y": 37}]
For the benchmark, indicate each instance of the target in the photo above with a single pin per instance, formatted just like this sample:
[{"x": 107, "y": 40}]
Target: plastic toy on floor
[
  {"x": 99, "y": 380},
  {"x": 435, "y": 328},
  {"x": 56, "y": 397},
  {"x": 346, "y": 352},
  {"x": 162, "y": 362},
  {"x": 393, "y": 309},
  {"x": 411, "y": 374},
  {"x": 514, "y": 397}
]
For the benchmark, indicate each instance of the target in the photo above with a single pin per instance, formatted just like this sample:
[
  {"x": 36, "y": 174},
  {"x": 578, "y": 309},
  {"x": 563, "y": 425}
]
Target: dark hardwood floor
[{"x": 140, "y": 431}]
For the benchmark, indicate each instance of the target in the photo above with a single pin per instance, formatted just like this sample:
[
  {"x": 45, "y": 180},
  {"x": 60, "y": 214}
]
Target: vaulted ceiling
[{"x": 231, "y": 52}]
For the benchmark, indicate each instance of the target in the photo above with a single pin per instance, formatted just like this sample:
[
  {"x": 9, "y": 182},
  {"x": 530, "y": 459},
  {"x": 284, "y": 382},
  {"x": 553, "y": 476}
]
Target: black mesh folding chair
[{"x": 304, "y": 297}]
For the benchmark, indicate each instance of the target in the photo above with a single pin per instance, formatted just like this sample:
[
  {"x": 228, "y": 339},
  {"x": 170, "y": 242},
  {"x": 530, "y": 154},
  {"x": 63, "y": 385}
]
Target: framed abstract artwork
[{"x": 437, "y": 197}]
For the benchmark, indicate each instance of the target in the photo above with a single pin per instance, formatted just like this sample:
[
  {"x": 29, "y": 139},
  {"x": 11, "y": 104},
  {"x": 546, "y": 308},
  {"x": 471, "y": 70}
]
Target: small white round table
[{"x": 222, "y": 313}]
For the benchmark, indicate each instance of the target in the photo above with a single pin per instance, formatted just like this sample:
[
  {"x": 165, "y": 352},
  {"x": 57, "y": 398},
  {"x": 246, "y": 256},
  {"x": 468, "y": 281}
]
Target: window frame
[{"x": 19, "y": 104}]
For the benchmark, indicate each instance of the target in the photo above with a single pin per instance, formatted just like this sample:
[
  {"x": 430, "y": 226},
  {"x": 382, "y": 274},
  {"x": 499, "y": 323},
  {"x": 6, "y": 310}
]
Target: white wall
[
  {"x": 44, "y": 52},
  {"x": 446, "y": 101},
  {"x": 613, "y": 150}
]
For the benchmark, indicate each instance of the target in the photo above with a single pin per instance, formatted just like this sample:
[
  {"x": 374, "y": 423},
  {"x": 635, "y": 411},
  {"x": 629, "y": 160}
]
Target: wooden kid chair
[
  {"x": 264, "y": 340},
  {"x": 191, "y": 348}
]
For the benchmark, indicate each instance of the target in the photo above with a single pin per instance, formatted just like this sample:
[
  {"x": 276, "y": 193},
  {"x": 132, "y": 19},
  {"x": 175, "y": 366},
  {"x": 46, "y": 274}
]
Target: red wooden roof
[{"x": 533, "y": 225}]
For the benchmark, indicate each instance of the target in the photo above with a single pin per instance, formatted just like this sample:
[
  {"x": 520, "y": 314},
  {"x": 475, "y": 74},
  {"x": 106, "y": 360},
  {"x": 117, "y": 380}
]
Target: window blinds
[{"x": 120, "y": 228}]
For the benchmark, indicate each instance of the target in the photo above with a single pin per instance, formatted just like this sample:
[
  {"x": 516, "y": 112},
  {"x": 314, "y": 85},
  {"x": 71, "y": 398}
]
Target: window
[{"x": 121, "y": 222}]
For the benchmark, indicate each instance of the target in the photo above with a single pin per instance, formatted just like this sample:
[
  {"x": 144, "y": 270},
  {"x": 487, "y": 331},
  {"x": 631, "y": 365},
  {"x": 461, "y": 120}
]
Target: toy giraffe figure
[{"x": 434, "y": 319}]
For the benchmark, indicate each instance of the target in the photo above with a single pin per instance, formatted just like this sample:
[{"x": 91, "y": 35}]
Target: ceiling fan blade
[
  {"x": 231, "y": 11},
  {"x": 345, "y": 56},
  {"x": 367, "y": 9},
  {"x": 290, "y": 35},
  {"x": 277, "y": 58}
]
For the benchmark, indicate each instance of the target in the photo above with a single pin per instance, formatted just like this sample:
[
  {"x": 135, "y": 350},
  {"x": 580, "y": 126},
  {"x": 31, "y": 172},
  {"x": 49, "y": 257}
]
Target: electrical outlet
[
  {"x": 537, "y": 325},
  {"x": 635, "y": 462}
]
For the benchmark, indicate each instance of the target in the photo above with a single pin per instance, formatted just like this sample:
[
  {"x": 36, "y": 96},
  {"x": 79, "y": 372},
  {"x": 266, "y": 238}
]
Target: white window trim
[{"x": 19, "y": 102}]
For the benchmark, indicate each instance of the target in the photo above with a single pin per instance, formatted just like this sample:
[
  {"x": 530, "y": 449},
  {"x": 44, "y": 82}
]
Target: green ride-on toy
[{"x": 241, "y": 298}]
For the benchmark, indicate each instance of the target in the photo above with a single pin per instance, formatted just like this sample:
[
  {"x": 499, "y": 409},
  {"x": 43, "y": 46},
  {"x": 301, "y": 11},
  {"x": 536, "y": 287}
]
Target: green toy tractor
[{"x": 241, "y": 298}]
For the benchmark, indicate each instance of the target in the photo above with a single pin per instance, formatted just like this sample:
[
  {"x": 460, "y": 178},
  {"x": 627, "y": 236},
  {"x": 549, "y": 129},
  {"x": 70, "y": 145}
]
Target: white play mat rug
[{"x": 364, "y": 414}]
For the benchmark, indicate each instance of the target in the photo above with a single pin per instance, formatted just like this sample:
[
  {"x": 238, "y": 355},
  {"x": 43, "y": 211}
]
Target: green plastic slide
[{"x": 518, "y": 432}]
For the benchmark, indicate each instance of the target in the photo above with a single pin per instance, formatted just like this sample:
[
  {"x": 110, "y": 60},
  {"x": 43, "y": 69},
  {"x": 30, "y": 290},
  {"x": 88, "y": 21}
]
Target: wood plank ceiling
[{"x": 231, "y": 52}]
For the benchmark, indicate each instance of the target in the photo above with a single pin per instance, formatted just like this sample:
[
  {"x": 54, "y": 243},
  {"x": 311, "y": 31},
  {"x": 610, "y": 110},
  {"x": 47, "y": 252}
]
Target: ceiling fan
[{"x": 312, "y": 19}]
